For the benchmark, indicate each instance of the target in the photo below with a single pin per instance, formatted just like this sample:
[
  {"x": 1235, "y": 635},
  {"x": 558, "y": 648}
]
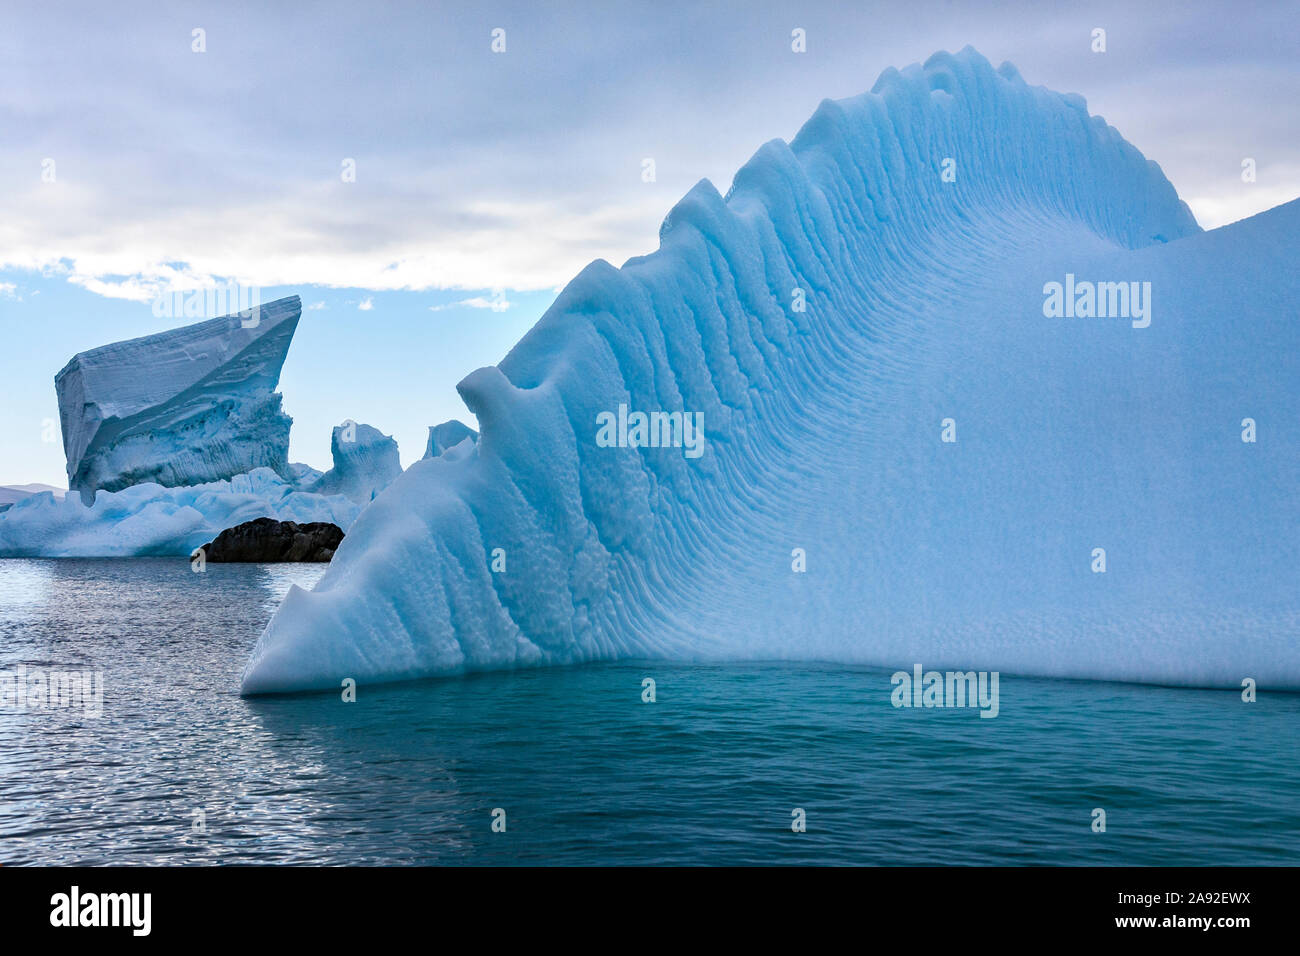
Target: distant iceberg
[
  {"x": 183, "y": 407},
  {"x": 906, "y": 459},
  {"x": 365, "y": 463},
  {"x": 173, "y": 438},
  {"x": 150, "y": 520},
  {"x": 11, "y": 494}
]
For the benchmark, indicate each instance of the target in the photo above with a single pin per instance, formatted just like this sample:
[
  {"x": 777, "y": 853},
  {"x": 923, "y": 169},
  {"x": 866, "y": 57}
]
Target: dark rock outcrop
[{"x": 267, "y": 540}]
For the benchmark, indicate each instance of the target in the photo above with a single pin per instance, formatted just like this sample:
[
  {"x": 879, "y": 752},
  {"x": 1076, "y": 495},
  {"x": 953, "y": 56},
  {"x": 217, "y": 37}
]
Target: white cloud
[
  {"x": 309, "y": 239},
  {"x": 366, "y": 304},
  {"x": 472, "y": 189},
  {"x": 498, "y": 302},
  {"x": 316, "y": 307},
  {"x": 1238, "y": 202}
]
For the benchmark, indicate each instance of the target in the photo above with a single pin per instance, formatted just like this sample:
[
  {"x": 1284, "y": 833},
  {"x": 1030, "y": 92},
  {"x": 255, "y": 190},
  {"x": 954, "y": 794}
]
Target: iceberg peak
[{"x": 365, "y": 463}]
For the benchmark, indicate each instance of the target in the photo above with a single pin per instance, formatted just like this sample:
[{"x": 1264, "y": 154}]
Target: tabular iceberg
[
  {"x": 905, "y": 458},
  {"x": 183, "y": 407}
]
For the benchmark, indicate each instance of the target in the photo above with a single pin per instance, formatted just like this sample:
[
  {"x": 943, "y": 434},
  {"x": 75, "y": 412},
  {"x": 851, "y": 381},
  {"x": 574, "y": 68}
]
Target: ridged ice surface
[
  {"x": 823, "y": 428},
  {"x": 183, "y": 407}
]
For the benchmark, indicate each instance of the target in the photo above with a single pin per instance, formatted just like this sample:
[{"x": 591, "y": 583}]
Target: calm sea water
[{"x": 586, "y": 772}]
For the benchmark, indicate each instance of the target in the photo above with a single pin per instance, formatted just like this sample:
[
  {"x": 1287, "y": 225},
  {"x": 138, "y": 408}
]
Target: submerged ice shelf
[{"x": 840, "y": 315}]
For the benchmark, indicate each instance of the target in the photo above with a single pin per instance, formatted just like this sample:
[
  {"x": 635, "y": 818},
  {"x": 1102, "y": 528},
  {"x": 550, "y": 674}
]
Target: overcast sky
[{"x": 489, "y": 179}]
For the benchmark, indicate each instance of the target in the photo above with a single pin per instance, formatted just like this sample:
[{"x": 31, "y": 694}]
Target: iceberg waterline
[
  {"x": 839, "y": 314},
  {"x": 148, "y": 520}
]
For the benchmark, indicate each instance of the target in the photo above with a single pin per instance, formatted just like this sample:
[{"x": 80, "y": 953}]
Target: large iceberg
[
  {"x": 183, "y": 407},
  {"x": 908, "y": 455}
]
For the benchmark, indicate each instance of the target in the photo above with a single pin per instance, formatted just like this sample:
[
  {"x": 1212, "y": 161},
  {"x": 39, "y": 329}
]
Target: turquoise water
[{"x": 585, "y": 771}]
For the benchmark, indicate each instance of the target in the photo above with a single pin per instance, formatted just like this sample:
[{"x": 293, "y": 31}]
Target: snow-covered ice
[
  {"x": 11, "y": 494},
  {"x": 447, "y": 435},
  {"x": 150, "y": 520}
]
